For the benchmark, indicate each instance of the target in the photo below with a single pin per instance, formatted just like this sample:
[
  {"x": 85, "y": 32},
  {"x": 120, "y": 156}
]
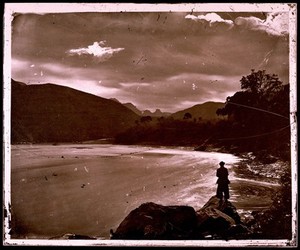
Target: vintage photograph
[{"x": 150, "y": 124}]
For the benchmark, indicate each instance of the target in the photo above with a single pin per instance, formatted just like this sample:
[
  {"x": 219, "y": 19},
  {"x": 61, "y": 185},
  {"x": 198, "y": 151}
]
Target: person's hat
[{"x": 222, "y": 163}]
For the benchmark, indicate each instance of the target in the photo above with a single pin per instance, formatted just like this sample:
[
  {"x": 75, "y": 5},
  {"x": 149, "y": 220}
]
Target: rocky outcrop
[
  {"x": 154, "y": 221},
  {"x": 220, "y": 220},
  {"x": 215, "y": 220}
]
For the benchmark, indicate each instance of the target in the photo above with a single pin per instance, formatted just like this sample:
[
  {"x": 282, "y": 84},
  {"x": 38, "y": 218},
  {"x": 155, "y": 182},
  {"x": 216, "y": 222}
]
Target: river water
[{"x": 89, "y": 189}]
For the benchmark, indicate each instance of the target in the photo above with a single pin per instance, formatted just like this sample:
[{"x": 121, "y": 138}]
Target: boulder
[
  {"x": 154, "y": 221},
  {"x": 215, "y": 220},
  {"x": 220, "y": 219},
  {"x": 225, "y": 207},
  {"x": 212, "y": 221}
]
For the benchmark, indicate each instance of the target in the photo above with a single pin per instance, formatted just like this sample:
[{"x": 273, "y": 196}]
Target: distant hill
[
  {"x": 205, "y": 111},
  {"x": 114, "y": 99},
  {"x": 156, "y": 113},
  {"x": 133, "y": 108},
  {"x": 54, "y": 113}
]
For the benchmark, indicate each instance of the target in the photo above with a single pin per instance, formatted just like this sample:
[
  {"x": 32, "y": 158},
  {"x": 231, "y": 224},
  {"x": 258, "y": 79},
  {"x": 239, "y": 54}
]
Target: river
[{"x": 89, "y": 189}]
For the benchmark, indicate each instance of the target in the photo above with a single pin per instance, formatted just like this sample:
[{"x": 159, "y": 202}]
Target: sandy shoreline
[{"x": 88, "y": 189}]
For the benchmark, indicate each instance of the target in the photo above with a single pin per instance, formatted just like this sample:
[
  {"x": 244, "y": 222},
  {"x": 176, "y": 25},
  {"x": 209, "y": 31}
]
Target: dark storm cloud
[{"x": 155, "y": 60}]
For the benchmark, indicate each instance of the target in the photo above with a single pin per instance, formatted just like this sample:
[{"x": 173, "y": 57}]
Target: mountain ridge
[
  {"x": 51, "y": 113},
  {"x": 146, "y": 112},
  {"x": 196, "y": 110},
  {"x": 54, "y": 113},
  {"x": 203, "y": 111}
]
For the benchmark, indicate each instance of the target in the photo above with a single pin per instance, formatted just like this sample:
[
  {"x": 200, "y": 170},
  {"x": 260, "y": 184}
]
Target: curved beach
[{"x": 88, "y": 189}]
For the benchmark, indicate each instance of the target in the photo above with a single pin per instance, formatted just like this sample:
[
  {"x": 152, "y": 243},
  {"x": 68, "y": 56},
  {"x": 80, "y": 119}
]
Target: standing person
[{"x": 222, "y": 174}]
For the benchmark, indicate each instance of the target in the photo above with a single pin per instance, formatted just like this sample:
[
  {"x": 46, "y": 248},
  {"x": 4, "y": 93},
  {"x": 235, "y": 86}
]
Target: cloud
[
  {"x": 100, "y": 52},
  {"x": 179, "y": 91},
  {"x": 211, "y": 18},
  {"x": 189, "y": 16},
  {"x": 162, "y": 66},
  {"x": 276, "y": 24}
]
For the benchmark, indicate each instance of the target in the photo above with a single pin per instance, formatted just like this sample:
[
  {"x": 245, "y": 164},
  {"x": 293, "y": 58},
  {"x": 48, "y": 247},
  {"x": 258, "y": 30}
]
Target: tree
[
  {"x": 187, "y": 116},
  {"x": 147, "y": 118},
  {"x": 260, "y": 111},
  {"x": 259, "y": 91}
]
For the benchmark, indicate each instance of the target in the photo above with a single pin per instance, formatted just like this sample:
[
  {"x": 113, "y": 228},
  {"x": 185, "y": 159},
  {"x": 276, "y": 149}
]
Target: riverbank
[
  {"x": 255, "y": 184},
  {"x": 53, "y": 186},
  {"x": 89, "y": 189}
]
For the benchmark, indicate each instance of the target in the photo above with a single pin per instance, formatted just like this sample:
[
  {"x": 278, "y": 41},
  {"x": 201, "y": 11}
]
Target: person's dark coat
[{"x": 223, "y": 181}]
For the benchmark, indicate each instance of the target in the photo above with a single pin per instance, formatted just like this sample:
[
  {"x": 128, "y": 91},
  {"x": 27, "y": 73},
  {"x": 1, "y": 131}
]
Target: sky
[{"x": 167, "y": 60}]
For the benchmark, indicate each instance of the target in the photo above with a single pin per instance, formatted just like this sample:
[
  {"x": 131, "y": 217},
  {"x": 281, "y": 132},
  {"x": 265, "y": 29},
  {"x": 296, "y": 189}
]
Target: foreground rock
[
  {"x": 153, "y": 221},
  {"x": 220, "y": 220},
  {"x": 215, "y": 220}
]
